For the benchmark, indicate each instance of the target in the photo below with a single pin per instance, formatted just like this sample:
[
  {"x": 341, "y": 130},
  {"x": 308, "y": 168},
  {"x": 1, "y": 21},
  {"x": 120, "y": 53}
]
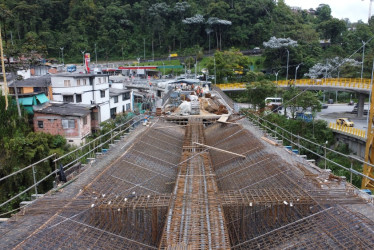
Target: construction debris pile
[{"x": 199, "y": 186}]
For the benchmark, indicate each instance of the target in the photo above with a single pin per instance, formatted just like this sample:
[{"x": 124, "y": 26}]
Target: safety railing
[
  {"x": 231, "y": 86},
  {"x": 348, "y": 130},
  {"x": 80, "y": 154},
  {"x": 301, "y": 144},
  {"x": 355, "y": 83}
]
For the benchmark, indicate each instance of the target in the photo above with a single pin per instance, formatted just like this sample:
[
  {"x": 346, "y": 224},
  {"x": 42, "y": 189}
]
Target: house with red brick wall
[{"x": 69, "y": 120}]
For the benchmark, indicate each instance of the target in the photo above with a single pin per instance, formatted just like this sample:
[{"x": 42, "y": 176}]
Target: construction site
[{"x": 197, "y": 181}]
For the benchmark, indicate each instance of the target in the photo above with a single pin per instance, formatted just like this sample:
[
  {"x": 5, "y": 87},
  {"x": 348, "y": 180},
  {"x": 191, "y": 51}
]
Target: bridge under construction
[
  {"x": 194, "y": 183},
  {"x": 198, "y": 186}
]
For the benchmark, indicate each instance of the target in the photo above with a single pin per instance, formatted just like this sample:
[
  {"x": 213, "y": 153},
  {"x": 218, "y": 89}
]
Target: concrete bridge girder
[{"x": 356, "y": 145}]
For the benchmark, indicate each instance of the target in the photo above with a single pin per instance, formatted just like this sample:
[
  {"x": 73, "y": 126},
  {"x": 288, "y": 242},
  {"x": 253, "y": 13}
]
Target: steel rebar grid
[
  {"x": 195, "y": 216},
  {"x": 124, "y": 207}
]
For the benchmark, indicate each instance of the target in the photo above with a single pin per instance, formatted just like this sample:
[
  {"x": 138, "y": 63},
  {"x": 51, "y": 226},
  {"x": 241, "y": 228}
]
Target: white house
[
  {"x": 89, "y": 89},
  {"x": 120, "y": 101}
]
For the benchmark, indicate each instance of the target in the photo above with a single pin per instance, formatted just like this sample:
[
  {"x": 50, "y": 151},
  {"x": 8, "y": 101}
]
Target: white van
[{"x": 269, "y": 101}]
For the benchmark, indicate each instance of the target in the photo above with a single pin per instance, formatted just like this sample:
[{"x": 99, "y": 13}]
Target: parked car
[{"x": 346, "y": 122}]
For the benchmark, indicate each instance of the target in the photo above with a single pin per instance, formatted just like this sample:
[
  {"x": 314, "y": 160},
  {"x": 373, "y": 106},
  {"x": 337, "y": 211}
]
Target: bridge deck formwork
[{"x": 167, "y": 192}]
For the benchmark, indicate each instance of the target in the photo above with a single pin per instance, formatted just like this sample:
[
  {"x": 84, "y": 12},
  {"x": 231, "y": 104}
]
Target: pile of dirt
[
  {"x": 209, "y": 105},
  {"x": 221, "y": 110}
]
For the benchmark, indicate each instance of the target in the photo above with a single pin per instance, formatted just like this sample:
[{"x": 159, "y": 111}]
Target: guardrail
[
  {"x": 348, "y": 130},
  {"x": 302, "y": 143},
  {"x": 357, "y": 83},
  {"x": 79, "y": 154}
]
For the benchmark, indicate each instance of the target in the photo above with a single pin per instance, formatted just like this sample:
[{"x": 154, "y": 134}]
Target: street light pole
[
  {"x": 288, "y": 60},
  {"x": 363, "y": 59},
  {"x": 96, "y": 54},
  {"x": 62, "y": 55},
  {"x": 297, "y": 67},
  {"x": 144, "y": 49},
  {"x": 276, "y": 76},
  {"x": 83, "y": 55}
]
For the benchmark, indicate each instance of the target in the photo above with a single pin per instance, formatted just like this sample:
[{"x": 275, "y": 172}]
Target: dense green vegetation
[
  {"x": 20, "y": 148},
  {"x": 123, "y": 28}
]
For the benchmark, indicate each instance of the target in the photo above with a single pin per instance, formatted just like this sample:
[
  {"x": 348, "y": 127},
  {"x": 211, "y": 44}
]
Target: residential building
[
  {"x": 89, "y": 89},
  {"x": 32, "y": 86},
  {"x": 69, "y": 120},
  {"x": 9, "y": 79},
  {"x": 120, "y": 101}
]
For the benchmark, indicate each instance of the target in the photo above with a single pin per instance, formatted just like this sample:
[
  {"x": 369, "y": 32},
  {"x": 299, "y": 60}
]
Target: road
[{"x": 335, "y": 111}]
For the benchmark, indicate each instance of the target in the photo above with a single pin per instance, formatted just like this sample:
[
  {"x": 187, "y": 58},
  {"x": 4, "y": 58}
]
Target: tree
[
  {"x": 332, "y": 68},
  {"x": 332, "y": 29},
  {"x": 258, "y": 91},
  {"x": 323, "y": 12},
  {"x": 226, "y": 63},
  {"x": 297, "y": 100}
]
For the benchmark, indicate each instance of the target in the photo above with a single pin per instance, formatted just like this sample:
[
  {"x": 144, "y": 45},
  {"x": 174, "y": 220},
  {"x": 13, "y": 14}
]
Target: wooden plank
[
  {"x": 270, "y": 141},
  {"x": 218, "y": 149},
  {"x": 223, "y": 118}
]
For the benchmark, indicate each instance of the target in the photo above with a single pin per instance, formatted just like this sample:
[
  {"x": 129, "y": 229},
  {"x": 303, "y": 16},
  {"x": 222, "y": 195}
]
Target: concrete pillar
[{"x": 360, "y": 105}]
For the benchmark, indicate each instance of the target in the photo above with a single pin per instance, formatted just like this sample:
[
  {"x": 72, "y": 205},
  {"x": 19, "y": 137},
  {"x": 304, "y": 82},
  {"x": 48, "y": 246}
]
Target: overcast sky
[{"x": 352, "y": 9}]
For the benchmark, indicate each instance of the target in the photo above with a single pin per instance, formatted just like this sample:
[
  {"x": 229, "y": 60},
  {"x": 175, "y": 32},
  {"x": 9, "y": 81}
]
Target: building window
[
  {"x": 99, "y": 80},
  {"x": 116, "y": 99},
  {"x": 84, "y": 82},
  {"x": 102, "y": 93},
  {"x": 66, "y": 124},
  {"x": 78, "y": 82},
  {"x": 78, "y": 98},
  {"x": 40, "y": 124},
  {"x": 127, "y": 106},
  {"x": 125, "y": 96},
  {"x": 68, "y": 98},
  {"x": 113, "y": 112},
  {"x": 123, "y": 109},
  {"x": 67, "y": 83},
  {"x": 85, "y": 120}
]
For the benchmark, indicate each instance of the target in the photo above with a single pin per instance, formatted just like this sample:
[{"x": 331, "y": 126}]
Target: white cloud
[{"x": 353, "y": 9}]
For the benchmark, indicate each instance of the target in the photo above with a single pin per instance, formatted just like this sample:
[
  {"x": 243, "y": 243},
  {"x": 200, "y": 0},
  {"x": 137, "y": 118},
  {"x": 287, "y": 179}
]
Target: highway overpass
[{"x": 358, "y": 85}]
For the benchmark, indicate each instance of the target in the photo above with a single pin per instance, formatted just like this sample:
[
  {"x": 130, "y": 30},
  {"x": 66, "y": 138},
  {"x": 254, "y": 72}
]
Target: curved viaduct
[{"x": 361, "y": 86}]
